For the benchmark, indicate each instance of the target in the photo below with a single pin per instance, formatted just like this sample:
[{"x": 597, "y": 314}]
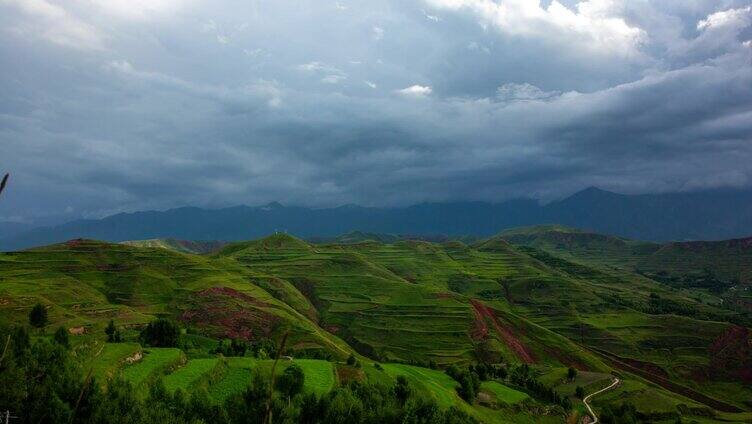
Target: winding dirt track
[{"x": 587, "y": 399}]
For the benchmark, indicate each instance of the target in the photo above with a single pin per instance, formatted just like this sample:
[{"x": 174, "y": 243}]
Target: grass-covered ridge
[{"x": 518, "y": 298}]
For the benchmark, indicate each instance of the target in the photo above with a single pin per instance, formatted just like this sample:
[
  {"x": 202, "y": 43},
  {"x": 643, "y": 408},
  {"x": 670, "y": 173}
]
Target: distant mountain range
[{"x": 706, "y": 215}]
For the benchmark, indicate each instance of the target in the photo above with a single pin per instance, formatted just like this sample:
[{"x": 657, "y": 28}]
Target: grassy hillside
[
  {"x": 712, "y": 272},
  {"x": 549, "y": 297},
  {"x": 411, "y": 300},
  {"x": 182, "y": 246},
  {"x": 86, "y": 283},
  {"x": 728, "y": 260}
]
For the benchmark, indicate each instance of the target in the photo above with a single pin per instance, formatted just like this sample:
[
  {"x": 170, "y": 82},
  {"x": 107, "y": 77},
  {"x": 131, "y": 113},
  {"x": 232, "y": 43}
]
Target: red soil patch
[
  {"x": 649, "y": 367},
  {"x": 227, "y": 291},
  {"x": 346, "y": 374},
  {"x": 568, "y": 360},
  {"x": 113, "y": 267},
  {"x": 77, "y": 331},
  {"x": 74, "y": 242},
  {"x": 482, "y": 311},
  {"x": 331, "y": 328},
  {"x": 226, "y": 312},
  {"x": 701, "y": 246},
  {"x": 731, "y": 354},
  {"x": 619, "y": 362},
  {"x": 480, "y": 328}
]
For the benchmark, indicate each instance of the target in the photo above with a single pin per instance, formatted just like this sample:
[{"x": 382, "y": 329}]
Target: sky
[{"x": 124, "y": 105}]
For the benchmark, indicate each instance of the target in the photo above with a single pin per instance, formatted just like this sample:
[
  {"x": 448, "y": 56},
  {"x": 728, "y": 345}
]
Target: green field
[
  {"x": 156, "y": 361},
  {"x": 504, "y": 393},
  {"x": 439, "y": 386},
  {"x": 111, "y": 358},
  {"x": 234, "y": 380},
  {"x": 189, "y": 374},
  {"x": 319, "y": 375},
  {"x": 550, "y": 297}
]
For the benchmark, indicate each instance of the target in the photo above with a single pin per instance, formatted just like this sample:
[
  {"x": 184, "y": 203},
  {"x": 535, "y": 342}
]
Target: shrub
[
  {"x": 351, "y": 360},
  {"x": 113, "y": 334},
  {"x": 161, "y": 333},
  {"x": 402, "y": 390},
  {"x": 61, "y": 337},
  {"x": 290, "y": 383},
  {"x": 38, "y": 316},
  {"x": 235, "y": 347},
  {"x": 579, "y": 392}
]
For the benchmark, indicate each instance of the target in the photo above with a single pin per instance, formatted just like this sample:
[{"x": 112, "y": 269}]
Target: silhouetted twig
[
  {"x": 7, "y": 342},
  {"x": 85, "y": 387},
  {"x": 4, "y": 182},
  {"x": 268, "y": 417}
]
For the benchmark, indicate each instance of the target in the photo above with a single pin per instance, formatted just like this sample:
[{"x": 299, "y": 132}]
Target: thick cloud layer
[{"x": 119, "y": 105}]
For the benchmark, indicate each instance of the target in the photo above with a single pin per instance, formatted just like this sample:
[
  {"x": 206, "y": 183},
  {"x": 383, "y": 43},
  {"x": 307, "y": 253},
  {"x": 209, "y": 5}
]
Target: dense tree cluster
[
  {"x": 263, "y": 349},
  {"x": 161, "y": 333},
  {"x": 469, "y": 382},
  {"x": 234, "y": 347},
  {"x": 470, "y": 378},
  {"x": 522, "y": 377},
  {"x": 40, "y": 382},
  {"x": 625, "y": 413},
  {"x": 705, "y": 279}
]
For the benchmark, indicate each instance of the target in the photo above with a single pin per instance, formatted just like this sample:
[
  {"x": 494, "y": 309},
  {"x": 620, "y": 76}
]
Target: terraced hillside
[
  {"x": 407, "y": 301},
  {"x": 402, "y": 302},
  {"x": 727, "y": 260},
  {"x": 718, "y": 271},
  {"x": 85, "y": 283}
]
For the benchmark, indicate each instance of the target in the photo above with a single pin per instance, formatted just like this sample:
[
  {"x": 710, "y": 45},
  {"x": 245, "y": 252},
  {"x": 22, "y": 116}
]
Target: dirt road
[{"x": 587, "y": 398}]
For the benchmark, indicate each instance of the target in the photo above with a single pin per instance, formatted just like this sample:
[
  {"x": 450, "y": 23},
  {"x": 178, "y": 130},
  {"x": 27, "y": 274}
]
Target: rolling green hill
[
  {"x": 719, "y": 272},
  {"x": 182, "y": 246},
  {"x": 729, "y": 260},
  {"x": 549, "y": 297}
]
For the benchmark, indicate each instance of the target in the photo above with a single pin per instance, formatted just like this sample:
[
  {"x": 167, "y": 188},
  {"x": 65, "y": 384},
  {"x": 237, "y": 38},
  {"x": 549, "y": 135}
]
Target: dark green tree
[
  {"x": 454, "y": 372},
  {"x": 290, "y": 383},
  {"x": 161, "y": 333},
  {"x": 467, "y": 388},
  {"x": 501, "y": 372},
  {"x": 113, "y": 334},
  {"x": 402, "y": 389},
  {"x": 351, "y": 360},
  {"x": 579, "y": 392},
  {"x": 571, "y": 374},
  {"x": 61, "y": 337},
  {"x": 38, "y": 316},
  {"x": 311, "y": 410}
]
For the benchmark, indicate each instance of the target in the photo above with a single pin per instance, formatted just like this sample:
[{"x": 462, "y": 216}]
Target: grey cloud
[{"x": 214, "y": 105}]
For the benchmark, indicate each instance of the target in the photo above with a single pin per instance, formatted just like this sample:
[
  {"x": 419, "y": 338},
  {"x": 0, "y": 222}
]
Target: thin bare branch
[
  {"x": 4, "y": 182},
  {"x": 268, "y": 416}
]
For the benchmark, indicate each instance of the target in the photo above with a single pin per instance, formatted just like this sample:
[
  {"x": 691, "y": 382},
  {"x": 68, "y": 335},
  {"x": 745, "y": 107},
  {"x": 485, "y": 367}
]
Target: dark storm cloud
[{"x": 111, "y": 106}]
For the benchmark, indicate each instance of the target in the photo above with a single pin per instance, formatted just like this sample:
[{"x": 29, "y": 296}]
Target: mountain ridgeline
[{"x": 708, "y": 215}]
